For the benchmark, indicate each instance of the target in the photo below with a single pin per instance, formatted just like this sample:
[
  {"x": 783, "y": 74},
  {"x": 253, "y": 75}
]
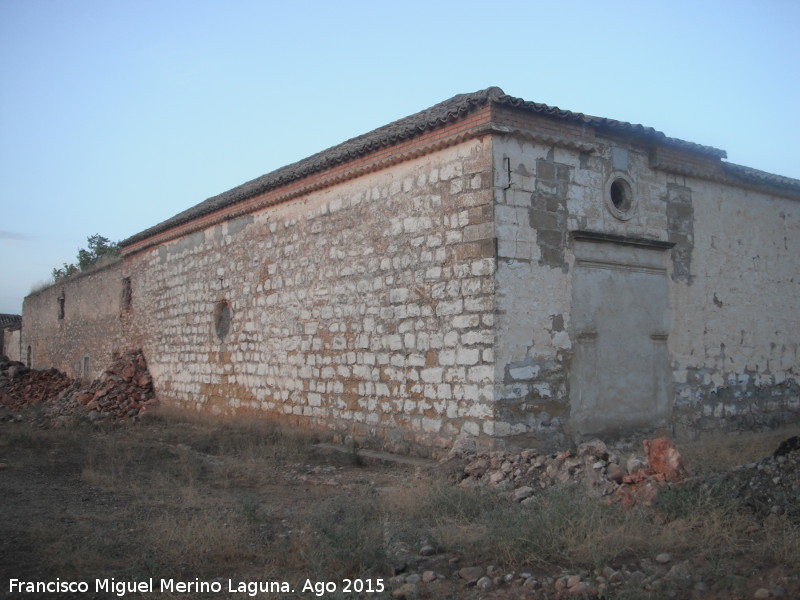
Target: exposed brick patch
[{"x": 548, "y": 213}]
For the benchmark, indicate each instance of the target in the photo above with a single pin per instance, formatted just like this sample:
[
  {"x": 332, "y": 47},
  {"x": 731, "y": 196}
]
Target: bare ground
[{"x": 204, "y": 502}]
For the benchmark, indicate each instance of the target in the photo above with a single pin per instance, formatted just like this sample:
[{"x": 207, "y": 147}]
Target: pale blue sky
[{"x": 118, "y": 114}]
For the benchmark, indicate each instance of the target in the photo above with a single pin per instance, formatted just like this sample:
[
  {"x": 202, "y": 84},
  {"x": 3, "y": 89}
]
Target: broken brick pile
[
  {"x": 124, "y": 390},
  {"x": 21, "y": 386}
]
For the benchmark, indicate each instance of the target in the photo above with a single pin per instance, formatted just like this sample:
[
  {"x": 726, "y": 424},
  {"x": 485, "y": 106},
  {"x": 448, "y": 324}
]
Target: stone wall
[
  {"x": 454, "y": 284},
  {"x": 75, "y": 325},
  {"x": 734, "y": 306},
  {"x": 365, "y": 308},
  {"x": 734, "y": 340},
  {"x": 11, "y": 344}
]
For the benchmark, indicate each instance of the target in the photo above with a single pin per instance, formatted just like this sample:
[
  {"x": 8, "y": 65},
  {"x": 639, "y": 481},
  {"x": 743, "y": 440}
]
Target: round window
[{"x": 619, "y": 196}]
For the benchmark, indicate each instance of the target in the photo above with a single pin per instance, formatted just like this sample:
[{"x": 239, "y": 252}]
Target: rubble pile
[
  {"x": 592, "y": 463},
  {"x": 528, "y": 471},
  {"x": 769, "y": 486},
  {"x": 21, "y": 386},
  {"x": 125, "y": 390},
  {"x": 772, "y": 484}
]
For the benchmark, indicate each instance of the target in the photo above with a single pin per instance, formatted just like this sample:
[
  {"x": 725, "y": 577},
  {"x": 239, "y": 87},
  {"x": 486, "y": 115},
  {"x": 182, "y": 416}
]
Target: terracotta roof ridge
[
  {"x": 751, "y": 174},
  {"x": 609, "y": 124},
  {"x": 9, "y": 320},
  {"x": 408, "y": 127},
  {"x": 386, "y": 135}
]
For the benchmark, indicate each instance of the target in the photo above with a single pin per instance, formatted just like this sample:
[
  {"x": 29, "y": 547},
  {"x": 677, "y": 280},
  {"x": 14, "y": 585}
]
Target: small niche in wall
[
  {"x": 126, "y": 301},
  {"x": 61, "y": 304},
  {"x": 222, "y": 319}
]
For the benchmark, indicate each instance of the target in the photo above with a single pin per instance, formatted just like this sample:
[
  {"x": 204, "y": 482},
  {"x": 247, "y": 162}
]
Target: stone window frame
[{"x": 621, "y": 182}]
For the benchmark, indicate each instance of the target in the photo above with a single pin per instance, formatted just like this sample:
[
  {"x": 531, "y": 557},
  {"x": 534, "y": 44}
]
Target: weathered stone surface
[
  {"x": 431, "y": 286},
  {"x": 524, "y": 492},
  {"x": 615, "y": 473},
  {"x": 471, "y": 573},
  {"x": 477, "y": 467},
  {"x": 664, "y": 558}
]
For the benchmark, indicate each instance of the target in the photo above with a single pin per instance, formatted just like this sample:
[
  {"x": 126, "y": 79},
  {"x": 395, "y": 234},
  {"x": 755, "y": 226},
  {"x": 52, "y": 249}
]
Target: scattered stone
[
  {"x": 664, "y": 558},
  {"x": 471, "y": 573},
  {"x": 477, "y": 467},
  {"x": 531, "y": 583},
  {"x": 581, "y": 587},
  {"x": 615, "y": 577},
  {"x": 407, "y": 591},
  {"x": 484, "y": 583},
  {"x": 761, "y": 593},
  {"x": 462, "y": 447},
  {"x": 615, "y": 473},
  {"x": 635, "y": 464},
  {"x": 428, "y": 576},
  {"x": 427, "y": 550},
  {"x": 593, "y": 449},
  {"x": 496, "y": 477},
  {"x": 524, "y": 492}
]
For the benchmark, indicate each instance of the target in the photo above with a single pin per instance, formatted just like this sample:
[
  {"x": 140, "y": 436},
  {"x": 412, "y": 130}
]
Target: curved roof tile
[
  {"x": 409, "y": 127},
  {"x": 762, "y": 177}
]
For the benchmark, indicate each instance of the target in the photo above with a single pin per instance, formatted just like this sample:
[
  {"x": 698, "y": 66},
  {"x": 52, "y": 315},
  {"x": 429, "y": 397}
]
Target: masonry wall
[
  {"x": 365, "y": 308},
  {"x": 76, "y": 325},
  {"x": 734, "y": 343},
  {"x": 431, "y": 297},
  {"x": 11, "y": 344},
  {"x": 732, "y": 271}
]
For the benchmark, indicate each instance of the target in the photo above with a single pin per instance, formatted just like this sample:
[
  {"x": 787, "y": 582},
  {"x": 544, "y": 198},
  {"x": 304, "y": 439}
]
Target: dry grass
[
  {"x": 715, "y": 452},
  {"x": 199, "y": 499}
]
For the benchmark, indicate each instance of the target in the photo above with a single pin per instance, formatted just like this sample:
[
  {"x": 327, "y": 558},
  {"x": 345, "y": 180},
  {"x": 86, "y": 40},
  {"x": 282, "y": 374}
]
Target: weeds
[
  {"x": 176, "y": 499},
  {"x": 348, "y": 538}
]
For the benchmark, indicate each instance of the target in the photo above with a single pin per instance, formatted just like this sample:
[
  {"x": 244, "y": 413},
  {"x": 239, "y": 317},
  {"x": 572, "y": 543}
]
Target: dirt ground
[
  {"x": 229, "y": 505},
  {"x": 168, "y": 499}
]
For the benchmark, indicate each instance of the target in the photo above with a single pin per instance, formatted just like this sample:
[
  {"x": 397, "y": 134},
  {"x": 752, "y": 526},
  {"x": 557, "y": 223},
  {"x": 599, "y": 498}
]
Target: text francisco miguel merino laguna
[{"x": 251, "y": 588}]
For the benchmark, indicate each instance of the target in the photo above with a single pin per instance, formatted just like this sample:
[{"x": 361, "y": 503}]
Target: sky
[{"x": 118, "y": 114}]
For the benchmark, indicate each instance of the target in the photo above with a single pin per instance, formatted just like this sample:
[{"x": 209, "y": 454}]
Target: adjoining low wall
[
  {"x": 11, "y": 344},
  {"x": 75, "y": 325}
]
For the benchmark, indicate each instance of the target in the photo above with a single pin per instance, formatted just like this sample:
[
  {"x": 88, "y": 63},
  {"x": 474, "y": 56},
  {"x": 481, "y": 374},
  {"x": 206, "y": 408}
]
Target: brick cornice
[{"x": 475, "y": 125}]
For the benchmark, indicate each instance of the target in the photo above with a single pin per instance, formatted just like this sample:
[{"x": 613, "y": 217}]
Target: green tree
[{"x": 98, "y": 248}]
